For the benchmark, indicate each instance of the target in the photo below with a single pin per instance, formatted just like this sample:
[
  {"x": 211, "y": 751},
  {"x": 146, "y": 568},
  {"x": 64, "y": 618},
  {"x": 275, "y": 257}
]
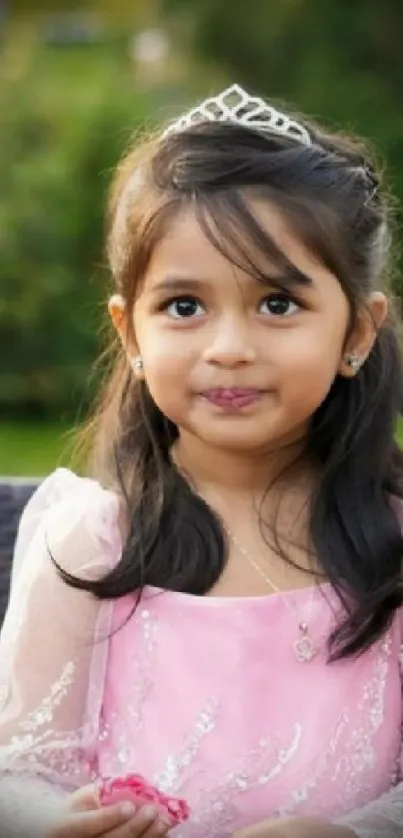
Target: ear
[
  {"x": 118, "y": 313},
  {"x": 369, "y": 320}
]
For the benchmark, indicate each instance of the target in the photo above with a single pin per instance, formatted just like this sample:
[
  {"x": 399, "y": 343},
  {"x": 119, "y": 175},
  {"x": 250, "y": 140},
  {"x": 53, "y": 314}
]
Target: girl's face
[{"x": 232, "y": 362}]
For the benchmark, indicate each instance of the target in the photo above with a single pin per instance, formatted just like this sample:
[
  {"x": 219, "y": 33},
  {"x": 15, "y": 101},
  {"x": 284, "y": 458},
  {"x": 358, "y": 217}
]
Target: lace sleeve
[
  {"x": 382, "y": 818},
  {"x": 53, "y": 646}
]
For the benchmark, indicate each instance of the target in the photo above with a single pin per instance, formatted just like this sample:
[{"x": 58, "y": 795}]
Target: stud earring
[
  {"x": 137, "y": 364},
  {"x": 354, "y": 362}
]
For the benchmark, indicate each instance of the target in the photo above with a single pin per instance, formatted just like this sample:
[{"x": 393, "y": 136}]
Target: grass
[{"x": 35, "y": 449}]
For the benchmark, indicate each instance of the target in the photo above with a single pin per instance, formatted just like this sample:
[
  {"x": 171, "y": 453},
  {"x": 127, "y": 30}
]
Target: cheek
[
  {"x": 308, "y": 364},
  {"x": 315, "y": 350},
  {"x": 161, "y": 349},
  {"x": 166, "y": 363}
]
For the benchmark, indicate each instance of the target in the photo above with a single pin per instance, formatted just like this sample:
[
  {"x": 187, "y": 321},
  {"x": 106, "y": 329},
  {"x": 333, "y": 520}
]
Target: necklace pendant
[{"x": 304, "y": 648}]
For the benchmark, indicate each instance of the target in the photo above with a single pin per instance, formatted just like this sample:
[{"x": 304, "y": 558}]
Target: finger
[
  {"x": 84, "y": 799},
  {"x": 91, "y": 824},
  {"x": 147, "y": 823},
  {"x": 158, "y": 828}
]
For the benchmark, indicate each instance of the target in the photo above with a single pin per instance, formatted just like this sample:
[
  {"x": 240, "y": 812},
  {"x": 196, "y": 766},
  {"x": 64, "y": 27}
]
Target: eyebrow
[{"x": 177, "y": 284}]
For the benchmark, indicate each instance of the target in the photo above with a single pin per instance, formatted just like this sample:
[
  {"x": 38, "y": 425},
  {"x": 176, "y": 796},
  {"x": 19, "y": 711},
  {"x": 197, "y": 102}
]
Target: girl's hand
[
  {"x": 83, "y": 817},
  {"x": 295, "y": 828}
]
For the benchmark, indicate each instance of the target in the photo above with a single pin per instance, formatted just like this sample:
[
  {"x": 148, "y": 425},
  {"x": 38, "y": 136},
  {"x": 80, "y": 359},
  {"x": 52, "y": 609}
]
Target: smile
[{"x": 233, "y": 398}]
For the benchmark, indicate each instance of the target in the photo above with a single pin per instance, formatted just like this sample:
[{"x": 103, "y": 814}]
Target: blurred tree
[
  {"x": 70, "y": 113},
  {"x": 120, "y": 11},
  {"x": 335, "y": 59},
  {"x": 60, "y": 142},
  {"x": 307, "y": 48}
]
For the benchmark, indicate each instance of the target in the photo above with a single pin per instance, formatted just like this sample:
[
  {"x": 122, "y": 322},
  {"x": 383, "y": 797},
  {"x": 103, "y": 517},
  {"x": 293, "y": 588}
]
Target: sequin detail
[
  {"x": 171, "y": 778},
  {"x": 351, "y": 761},
  {"x": 40, "y": 748},
  {"x": 220, "y": 809},
  {"x": 123, "y": 727},
  {"x": 220, "y": 804}
]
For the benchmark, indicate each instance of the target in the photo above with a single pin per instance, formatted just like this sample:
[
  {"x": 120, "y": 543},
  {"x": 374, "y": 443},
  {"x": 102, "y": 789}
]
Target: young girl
[{"x": 219, "y": 607}]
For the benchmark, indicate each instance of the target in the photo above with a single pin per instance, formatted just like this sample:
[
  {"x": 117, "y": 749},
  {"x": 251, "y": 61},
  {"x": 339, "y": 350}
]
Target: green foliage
[
  {"x": 337, "y": 60},
  {"x": 69, "y": 112},
  {"x": 68, "y": 119}
]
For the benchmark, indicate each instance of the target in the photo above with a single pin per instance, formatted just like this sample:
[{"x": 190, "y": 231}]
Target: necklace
[{"x": 303, "y": 647}]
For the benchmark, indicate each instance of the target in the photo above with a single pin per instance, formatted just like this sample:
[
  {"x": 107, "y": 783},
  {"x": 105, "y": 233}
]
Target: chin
[{"x": 237, "y": 442}]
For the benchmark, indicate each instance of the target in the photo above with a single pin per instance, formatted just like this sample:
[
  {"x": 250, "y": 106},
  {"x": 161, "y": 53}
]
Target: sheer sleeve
[
  {"x": 53, "y": 645},
  {"x": 382, "y": 818}
]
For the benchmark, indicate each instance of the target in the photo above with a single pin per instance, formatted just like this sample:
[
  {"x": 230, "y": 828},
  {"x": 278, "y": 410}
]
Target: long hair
[{"x": 331, "y": 197}]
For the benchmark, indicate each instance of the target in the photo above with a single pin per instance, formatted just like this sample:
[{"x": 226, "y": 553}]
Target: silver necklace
[{"x": 303, "y": 646}]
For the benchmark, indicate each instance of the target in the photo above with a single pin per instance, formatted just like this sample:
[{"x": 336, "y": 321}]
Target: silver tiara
[{"x": 235, "y": 105}]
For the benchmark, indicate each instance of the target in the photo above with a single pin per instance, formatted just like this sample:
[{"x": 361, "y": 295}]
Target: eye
[
  {"x": 279, "y": 305},
  {"x": 182, "y": 308}
]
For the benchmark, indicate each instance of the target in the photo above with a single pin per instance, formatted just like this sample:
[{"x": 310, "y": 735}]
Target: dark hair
[{"x": 330, "y": 193}]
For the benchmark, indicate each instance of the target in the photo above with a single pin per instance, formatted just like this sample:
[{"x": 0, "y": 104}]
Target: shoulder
[{"x": 74, "y": 518}]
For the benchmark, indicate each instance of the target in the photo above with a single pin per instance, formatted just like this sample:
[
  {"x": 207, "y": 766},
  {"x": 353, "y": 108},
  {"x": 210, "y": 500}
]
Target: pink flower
[{"x": 135, "y": 788}]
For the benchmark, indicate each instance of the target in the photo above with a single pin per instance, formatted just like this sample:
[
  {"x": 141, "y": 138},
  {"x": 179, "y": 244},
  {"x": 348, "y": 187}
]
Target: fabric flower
[{"x": 136, "y": 789}]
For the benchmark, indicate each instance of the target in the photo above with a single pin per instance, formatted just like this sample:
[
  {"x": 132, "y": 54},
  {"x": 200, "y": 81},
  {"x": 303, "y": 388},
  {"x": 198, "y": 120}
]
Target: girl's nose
[{"x": 231, "y": 345}]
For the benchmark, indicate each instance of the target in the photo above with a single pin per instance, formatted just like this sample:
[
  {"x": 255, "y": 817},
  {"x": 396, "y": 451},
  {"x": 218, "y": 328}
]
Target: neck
[
  {"x": 238, "y": 474},
  {"x": 266, "y": 492}
]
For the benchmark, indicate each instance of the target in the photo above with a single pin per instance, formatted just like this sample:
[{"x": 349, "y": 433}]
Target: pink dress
[{"x": 202, "y": 695}]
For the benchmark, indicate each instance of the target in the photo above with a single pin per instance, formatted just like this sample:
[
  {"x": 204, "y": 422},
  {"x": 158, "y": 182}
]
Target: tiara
[{"x": 235, "y": 105}]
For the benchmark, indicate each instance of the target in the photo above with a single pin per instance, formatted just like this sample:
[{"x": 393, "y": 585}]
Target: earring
[
  {"x": 354, "y": 362},
  {"x": 137, "y": 364}
]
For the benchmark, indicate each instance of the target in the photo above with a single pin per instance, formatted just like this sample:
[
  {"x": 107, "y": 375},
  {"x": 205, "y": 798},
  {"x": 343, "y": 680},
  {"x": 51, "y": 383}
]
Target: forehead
[{"x": 185, "y": 249}]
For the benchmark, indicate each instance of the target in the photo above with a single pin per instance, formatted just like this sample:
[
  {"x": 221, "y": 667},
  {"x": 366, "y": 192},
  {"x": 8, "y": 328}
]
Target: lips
[{"x": 232, "y": 397}]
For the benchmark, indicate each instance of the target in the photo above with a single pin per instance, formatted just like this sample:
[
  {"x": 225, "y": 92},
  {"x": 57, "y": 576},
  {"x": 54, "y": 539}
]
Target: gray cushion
[{"x": 14, "y": 494}]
